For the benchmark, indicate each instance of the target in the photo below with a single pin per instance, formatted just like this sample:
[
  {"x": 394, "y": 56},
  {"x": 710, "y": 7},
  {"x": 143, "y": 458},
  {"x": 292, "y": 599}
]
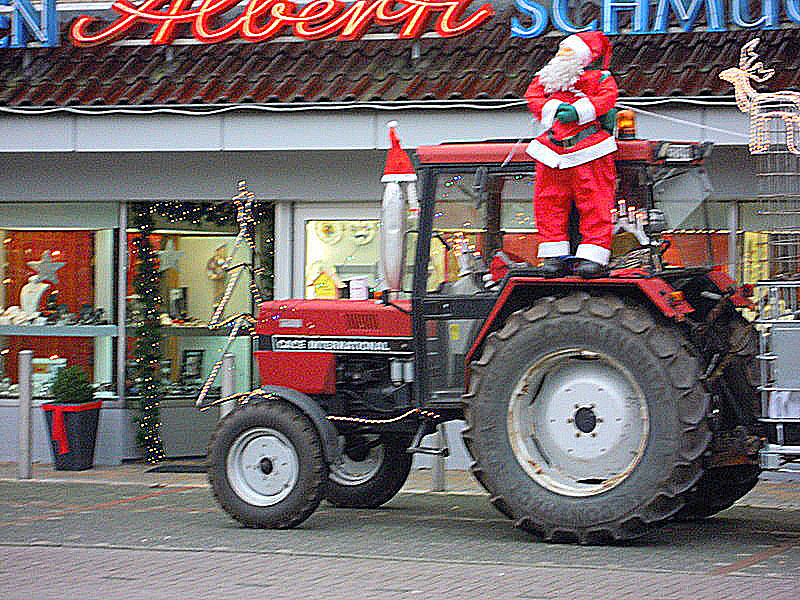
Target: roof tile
[{"x": 488, "y": 63}]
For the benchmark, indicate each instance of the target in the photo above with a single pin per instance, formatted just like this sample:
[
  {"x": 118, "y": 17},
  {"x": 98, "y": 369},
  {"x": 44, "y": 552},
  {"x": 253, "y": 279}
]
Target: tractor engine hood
[{"x": 333, "y": 318}]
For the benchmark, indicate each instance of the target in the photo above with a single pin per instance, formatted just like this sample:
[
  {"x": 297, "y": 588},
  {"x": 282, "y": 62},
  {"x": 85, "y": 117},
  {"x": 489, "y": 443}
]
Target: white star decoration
[
  {"x": 168, "y": 257},
  {"x": 45, "y": 267}
]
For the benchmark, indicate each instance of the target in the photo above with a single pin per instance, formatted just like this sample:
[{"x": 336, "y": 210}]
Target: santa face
[{"x": 562, "y": 71}]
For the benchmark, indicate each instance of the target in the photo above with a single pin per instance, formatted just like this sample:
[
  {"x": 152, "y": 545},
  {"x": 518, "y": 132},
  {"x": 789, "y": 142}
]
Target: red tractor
[{"x": 595, "y": 409}]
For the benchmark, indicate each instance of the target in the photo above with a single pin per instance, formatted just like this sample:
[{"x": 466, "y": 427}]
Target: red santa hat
[
  {"x": 590, "y": 46},
  {"x": 398, "y": 164}
]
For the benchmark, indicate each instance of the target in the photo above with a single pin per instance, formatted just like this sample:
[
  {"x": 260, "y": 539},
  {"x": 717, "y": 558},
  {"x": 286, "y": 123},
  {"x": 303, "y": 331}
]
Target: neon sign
[
  {"x": 262, "y": 20},
  {"x": 25, "y": 23},
  {"x": 683, "y": 12},
  {"x": 212, "y": 21}
]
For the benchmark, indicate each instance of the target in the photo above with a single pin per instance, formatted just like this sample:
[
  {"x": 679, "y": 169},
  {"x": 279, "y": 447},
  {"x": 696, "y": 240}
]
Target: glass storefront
[
  {"x": 341, "y": 255},
  {"x": 58, "y": 293}
]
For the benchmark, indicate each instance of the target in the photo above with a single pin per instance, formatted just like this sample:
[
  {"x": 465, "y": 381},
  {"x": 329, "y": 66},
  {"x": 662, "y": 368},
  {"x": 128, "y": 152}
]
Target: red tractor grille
[{"x": 360, "y": 321}]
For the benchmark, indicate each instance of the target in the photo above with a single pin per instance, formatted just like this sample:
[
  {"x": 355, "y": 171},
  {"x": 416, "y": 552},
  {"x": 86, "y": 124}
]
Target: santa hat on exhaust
[
  {"x": 590, "y": 46},
  {"x": 398, "y": 164}
]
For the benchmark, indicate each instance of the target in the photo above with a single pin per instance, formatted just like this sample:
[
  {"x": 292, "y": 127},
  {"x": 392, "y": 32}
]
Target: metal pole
[
  {"x": 733, "y": 246},
  {"x": 228, "y": 382},
  {"x": 438, "y": 484},
  {"x": 25, "y": 430},
  {"x": 122, "y": 293}
]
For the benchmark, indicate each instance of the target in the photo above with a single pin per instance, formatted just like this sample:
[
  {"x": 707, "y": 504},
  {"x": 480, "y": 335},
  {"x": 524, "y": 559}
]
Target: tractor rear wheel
[
  {"x": 717, "y": 490},
  {"x": 372, "y": 471},
  {"x": 266, "y": 465},
  {"x": 586, "y": 419}
]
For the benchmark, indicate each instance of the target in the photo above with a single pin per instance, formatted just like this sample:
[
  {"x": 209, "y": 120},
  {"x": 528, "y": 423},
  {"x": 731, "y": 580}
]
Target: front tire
[
  {"x": 586, "y": 419},
  {"x": 372, "y": 471},
  {"x": 266, "y": 465}
]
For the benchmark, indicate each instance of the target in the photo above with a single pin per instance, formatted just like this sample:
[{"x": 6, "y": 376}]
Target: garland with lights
[
  {"x": 147, "y": 353},
  {"x": 244, "y": 202},
  {"x": 245, "y": 211}
]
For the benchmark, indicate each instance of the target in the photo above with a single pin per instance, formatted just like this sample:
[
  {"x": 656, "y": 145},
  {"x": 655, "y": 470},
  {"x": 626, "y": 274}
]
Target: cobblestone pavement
[{"x": 122, "y": 532}]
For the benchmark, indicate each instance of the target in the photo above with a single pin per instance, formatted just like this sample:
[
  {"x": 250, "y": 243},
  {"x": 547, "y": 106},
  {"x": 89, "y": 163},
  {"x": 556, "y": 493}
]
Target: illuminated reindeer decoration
[{"x": 772, "y": 105}]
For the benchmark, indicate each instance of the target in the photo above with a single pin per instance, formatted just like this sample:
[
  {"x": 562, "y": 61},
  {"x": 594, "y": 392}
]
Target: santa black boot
[{"x": 589, "y": 269}]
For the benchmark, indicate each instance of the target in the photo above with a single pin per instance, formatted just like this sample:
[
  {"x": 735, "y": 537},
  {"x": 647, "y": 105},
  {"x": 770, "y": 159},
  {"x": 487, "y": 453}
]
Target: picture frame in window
[{"x": 191, "y": 365}]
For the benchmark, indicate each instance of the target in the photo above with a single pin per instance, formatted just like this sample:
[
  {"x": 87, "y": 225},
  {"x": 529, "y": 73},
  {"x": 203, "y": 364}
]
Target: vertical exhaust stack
[{"x": 399, "y": 179}]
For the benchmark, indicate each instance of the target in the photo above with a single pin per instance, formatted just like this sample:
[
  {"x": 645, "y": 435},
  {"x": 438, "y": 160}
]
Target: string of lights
[
  {"x": 147, "y": 353},
  {"x": 243, "y": 202}
]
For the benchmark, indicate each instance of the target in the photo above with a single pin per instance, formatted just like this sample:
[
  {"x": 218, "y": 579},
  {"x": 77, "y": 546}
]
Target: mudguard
[{"x": 327, "y": 432}]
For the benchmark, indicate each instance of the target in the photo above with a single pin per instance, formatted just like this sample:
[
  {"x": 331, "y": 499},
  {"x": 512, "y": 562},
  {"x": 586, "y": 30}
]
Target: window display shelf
[
  {"x": 60, "y": 330},
  {"x": 177, "y": 331}
]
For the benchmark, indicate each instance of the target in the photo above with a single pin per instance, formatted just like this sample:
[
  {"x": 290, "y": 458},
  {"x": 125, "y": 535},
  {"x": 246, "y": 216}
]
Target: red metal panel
[
  {"x": 310, "y": 373},
  {"x": 498, "y": 152},
  {"x": 333, "y": 317},
  {"x": 657, "y": 291},
  {"x": 315, "y": 372}
]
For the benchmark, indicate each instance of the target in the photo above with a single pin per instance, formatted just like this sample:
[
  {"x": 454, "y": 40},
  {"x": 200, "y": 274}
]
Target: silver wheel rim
[
  {"x": 262, "y": 466},
  {"x": 578, "y": 422},
  {"x": 355, "y": 472}
]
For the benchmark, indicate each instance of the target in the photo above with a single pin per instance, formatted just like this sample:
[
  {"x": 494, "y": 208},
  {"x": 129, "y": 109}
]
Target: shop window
[
  {"x": 191, "y": 254},
  {"x": 341, "y": 256},
  {"x": 56, "y": 282},
  {"x": 192, "y": 284}
]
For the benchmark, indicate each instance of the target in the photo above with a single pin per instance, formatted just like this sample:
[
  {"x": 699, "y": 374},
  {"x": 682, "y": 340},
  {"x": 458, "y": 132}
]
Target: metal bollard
[
  {"x": 228, "y": 382},
  {"x": 438, "y": 484},
  {"x": 25, "y": 423}
]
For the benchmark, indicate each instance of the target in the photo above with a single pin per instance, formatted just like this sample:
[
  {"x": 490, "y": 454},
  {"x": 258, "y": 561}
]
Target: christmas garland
[
  {"x": 147, "y": 353},
  {"x": 147, "y": 284}
]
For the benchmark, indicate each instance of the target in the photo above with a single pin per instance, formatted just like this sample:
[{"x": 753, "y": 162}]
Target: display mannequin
[{"x": 31, "y": 294}]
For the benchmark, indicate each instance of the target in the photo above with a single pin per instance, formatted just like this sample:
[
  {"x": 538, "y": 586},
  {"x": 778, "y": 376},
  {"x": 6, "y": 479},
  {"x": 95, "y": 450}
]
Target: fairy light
[
  {"x": 147, "y": 352},
  {"x": 756, "y": 104},
  {"x": 243, "y": 201}
]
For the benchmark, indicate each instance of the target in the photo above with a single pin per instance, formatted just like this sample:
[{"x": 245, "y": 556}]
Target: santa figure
[{"x": 575, "y": 155}]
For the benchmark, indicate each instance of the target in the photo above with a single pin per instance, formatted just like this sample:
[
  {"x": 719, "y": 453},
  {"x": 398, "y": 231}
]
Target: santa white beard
[{"x": 560, "y": 73}]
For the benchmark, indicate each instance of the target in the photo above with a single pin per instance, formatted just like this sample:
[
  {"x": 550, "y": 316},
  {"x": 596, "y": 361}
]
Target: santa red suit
[{"x": 575, "y": 155}]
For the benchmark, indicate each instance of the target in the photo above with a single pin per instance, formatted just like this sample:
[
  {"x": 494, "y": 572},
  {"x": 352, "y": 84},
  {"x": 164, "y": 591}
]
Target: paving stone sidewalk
[{"x": 772, "y": 492}]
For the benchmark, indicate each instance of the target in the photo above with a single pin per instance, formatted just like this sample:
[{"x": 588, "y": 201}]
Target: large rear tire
[
  {"x": 586, "y": 419},
  {"x": 717, "y": 490},
  {"x": 266, "y": 465},
  {"x": 372, "y": 471}
]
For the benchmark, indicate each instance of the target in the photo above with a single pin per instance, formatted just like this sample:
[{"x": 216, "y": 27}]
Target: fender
[
  {"x": 327, "y": 432},
  {"x": 520, "y": 292}
]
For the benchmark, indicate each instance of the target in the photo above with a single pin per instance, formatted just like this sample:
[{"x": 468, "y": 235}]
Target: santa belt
[{"x": 573, "y": 141}]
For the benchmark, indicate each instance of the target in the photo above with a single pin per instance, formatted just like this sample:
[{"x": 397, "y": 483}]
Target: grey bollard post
[
  {"x": 228, "y": 382},
  {"x": 438, "y": 484},
  {"x": 25, "y": 424}
]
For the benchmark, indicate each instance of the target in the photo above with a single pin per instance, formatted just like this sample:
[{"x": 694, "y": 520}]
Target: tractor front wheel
[{"x": 266, "y": 465}]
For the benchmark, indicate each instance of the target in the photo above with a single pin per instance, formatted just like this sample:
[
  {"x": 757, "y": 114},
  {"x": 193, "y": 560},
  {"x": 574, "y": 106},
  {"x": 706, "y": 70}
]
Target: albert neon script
[{"x": 265, "y": 19}]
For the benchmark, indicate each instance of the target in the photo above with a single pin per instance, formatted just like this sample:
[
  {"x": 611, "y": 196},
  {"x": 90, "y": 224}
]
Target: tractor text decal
[{"x": 393, "y": 345}]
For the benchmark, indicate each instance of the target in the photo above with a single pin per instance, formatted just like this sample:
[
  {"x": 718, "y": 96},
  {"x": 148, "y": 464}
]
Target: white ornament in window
[
  {"x": 215, "y": 267},
  {"x": 362, "y": 232},
  {"x": 329, "y": 232}
]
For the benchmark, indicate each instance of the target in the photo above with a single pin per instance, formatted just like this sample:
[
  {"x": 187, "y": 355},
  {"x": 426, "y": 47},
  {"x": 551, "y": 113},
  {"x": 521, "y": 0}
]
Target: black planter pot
[{"x": 73, "y": 433}]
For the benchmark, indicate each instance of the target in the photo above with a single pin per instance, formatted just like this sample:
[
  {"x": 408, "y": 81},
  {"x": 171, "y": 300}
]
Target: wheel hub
[
  {"x": 360, "y": 461},
  {"x": 578, "y": 427},
  {"x": 262, "y": 466},
  {"x": 266, "y": 466},
  {"x": 585, "y": 419}
]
